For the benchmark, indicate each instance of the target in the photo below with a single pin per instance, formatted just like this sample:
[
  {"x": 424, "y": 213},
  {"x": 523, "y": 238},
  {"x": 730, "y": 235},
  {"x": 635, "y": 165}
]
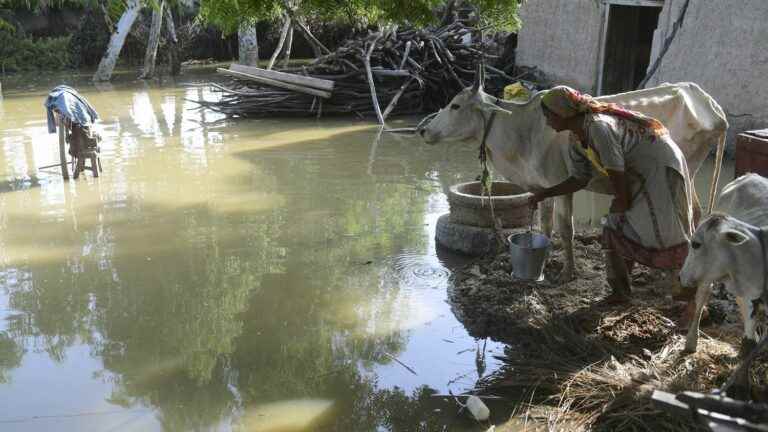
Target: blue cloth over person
[{"x": 70, "y": 104}]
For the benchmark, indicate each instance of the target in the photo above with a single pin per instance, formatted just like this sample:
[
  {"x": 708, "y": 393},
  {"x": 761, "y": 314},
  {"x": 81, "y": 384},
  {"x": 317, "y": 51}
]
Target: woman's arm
[
  {"x": 621, "y": 200},
  {"x": 570, "y": 185}
]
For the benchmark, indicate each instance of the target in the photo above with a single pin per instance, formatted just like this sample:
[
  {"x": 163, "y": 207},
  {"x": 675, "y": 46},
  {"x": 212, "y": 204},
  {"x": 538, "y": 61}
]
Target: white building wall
[{"x": 562, "y": 39}]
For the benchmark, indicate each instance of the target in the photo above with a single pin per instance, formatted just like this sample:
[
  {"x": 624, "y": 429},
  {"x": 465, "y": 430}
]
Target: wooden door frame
[{"x": 606, "y": 5}]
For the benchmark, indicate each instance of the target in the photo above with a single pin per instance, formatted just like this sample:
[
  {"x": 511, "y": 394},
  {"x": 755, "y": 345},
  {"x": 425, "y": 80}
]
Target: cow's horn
[{"x": 478, "y": 77}]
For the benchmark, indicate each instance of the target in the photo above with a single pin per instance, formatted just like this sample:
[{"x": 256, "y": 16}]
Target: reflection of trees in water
[
  {"x": 242, "y": 309},
  {"x": 10, "y": 355}
]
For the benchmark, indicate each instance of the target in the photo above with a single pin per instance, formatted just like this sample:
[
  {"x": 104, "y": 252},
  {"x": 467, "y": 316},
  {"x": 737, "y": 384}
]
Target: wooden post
[{"x": 62, "y": 146}]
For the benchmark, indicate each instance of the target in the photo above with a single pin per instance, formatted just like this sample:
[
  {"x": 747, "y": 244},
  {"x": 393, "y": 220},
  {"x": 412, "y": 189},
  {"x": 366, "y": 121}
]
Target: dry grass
[
  {"x": 582, "y": 382},
  {"x": 577, "y": 363}
]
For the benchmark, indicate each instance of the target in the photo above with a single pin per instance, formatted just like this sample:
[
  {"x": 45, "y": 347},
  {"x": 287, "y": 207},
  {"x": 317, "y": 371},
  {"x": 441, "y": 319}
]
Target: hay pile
[{"x": 576, "y": 363}]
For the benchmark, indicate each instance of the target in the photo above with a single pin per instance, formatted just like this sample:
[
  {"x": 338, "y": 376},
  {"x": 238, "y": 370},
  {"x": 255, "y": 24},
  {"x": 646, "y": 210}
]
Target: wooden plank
[
  {"x": 391, "y": 72},
  {"x": 752, "y": 412},
  {"x": 276, "y": 83},
  {"x": 304, "y": 81},
  {"x": 62, "y": 145},
  {"x": 715, "y": 420}
]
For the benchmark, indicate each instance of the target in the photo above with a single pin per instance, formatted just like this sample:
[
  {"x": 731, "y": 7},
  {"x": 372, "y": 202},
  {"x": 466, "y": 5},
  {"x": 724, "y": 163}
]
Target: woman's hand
[
  {"x": 619, "y": 206},
  {"x": 535, "y": 198}
]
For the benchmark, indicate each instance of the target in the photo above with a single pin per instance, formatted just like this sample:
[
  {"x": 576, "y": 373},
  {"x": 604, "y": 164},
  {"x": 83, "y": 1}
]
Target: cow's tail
[{"x": 716, "y": 172}]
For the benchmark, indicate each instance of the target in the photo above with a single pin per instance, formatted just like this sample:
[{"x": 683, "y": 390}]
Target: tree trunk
[
  {"x": 279, "y": 48},
  {"x": 107, "y": 64},
  {"x": 153, "y": 42},
  {"x": 173, "y": 43},
  {"x": 288, "y": 45},
  {"x": 248, "y": 45},
  {"x": 316, "y": 45}
]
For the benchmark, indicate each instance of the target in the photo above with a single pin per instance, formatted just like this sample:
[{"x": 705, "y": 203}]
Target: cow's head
[
  {"x": 721, "y": 247},
  {"x": 464, "y": 117}
]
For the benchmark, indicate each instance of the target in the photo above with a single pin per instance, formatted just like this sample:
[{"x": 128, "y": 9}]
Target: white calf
[{"x": 730, "y": 246}]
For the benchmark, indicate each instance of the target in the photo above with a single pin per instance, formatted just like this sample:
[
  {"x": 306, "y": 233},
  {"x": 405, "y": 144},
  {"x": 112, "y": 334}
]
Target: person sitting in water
[{"x": 650, "y": 219}]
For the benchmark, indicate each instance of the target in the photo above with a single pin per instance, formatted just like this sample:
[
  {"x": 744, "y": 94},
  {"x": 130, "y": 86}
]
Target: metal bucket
[{"x": 529, "y": 253}]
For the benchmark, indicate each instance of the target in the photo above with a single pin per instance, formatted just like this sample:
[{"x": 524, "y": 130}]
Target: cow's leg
[
  {"x": 546, "y": 216},
  {"x": 564, "y": 215},
  {"x": 702, "y": 297},
  {"x": 750, "y": 335}
]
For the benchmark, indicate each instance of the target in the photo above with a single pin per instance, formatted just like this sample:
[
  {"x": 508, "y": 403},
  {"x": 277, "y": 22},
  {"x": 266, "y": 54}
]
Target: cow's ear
[{"x": 734, "y": 237}]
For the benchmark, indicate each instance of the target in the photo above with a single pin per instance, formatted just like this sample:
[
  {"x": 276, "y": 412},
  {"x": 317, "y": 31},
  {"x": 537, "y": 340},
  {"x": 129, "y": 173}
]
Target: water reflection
[{"x": 216, "y": 272}]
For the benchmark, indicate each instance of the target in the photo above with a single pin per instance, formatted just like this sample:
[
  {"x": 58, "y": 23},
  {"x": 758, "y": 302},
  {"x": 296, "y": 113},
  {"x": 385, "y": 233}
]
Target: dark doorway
[{"x": 628, "y": 46}]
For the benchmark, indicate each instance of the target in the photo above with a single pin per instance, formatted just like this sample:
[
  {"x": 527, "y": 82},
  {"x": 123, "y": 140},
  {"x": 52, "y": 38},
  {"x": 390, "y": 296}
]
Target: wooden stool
[{"x": 79, "y": 162}]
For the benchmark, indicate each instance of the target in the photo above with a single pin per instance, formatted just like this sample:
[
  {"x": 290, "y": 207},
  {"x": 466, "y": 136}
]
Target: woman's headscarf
[{"x": 567, "y": 102}]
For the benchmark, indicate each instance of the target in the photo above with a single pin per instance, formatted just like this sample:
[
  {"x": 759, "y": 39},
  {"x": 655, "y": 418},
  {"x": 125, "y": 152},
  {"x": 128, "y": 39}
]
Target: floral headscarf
[{"x": 567, "y": 102}]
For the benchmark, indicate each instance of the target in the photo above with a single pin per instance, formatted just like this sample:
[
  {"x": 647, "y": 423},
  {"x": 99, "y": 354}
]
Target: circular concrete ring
[
  {"x": 469, "y": 207},
  {"x": 468, "y": 240}
]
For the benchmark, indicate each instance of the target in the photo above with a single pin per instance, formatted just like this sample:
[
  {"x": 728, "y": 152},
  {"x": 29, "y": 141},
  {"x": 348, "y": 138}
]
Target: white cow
[
  {"x": 728, "y": 246},
  {"x": 529, "y": 153}
]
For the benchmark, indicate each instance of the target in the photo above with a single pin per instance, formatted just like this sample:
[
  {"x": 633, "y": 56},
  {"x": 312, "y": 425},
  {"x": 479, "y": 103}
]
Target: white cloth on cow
[{"x": 660, "y": 215}]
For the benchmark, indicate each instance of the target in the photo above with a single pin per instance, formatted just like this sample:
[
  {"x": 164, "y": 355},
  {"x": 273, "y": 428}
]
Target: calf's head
[{"x": 721, "y": 247}]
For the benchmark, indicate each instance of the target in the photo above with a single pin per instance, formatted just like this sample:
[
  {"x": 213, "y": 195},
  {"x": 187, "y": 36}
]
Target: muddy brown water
[{"x": 259, "y": 275}]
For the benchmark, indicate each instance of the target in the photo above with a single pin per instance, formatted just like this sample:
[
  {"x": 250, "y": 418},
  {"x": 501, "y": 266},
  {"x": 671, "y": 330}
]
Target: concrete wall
[
  {"x": 561, "y": 38},
  {"x": 723, "y": 47}
]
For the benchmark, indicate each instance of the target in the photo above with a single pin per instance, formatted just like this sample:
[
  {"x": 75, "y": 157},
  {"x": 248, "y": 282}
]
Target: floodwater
[
  {"x": 263, "y": 275},
  {"x": 259, "y": 275}
]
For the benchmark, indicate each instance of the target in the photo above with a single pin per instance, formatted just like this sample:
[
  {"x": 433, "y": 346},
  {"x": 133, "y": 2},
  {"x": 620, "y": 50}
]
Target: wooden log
[
  {"x": 279, "y": 47},
  {"x": 396, "y": 98},
  {"x": 713, "y": 419},
  {"x": 288, "y": 45},
  {"x": 391, "y": 72},
  {"x": 276, "y": 83},
  {"x": 317, "y": 46},
  {"x": 369, "y": 74},
  {"x": 62, "y": 144},
  {"x": 405, "y": 55},
  {"x": 304, "y": 81}
]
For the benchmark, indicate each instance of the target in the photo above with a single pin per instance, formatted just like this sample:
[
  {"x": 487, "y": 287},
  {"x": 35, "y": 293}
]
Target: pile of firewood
[{"x": 388, "y": 72}]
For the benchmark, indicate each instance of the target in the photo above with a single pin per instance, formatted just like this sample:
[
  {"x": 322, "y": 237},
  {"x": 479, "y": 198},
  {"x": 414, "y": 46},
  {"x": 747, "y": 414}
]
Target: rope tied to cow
[{"x": 486, "y": 182}]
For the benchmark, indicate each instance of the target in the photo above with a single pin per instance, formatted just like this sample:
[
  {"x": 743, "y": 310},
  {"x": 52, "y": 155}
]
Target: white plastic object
[{"x": 478, "y": 408}]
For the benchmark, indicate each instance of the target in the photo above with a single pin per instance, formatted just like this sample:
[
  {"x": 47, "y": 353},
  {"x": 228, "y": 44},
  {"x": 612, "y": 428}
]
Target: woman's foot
[{"x": 616, "y": 298}]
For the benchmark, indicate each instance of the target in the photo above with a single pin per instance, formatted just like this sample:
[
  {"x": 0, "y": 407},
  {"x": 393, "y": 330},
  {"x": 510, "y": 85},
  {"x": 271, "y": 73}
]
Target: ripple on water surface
[{"x": 419, "y": 270}]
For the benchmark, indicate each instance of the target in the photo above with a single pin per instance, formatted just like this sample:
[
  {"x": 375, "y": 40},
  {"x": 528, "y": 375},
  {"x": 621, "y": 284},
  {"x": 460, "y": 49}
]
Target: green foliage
[
  {"x": 39, "y": 5},
  {"x": 229, "y": 14},
  {"x": 89, "y": 42},
  {"x": 22, "y": 54},
  {"x": 499, "y": 14}
]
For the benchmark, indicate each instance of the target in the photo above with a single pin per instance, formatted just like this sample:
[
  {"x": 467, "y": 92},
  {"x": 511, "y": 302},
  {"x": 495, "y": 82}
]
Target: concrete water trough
[{"x": 467, "y": 228}]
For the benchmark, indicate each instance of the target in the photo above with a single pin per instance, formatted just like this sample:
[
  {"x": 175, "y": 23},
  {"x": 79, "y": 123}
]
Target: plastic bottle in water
[{"x": 478, "y": 408}]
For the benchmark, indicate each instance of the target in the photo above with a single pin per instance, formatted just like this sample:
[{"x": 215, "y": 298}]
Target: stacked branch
[{"x": 407, "y": 72}]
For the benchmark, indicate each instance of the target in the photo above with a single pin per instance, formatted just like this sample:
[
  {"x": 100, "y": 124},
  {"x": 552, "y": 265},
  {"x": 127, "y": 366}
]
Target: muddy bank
[
  {"x": 584, "y": 364},
  {"x": 491, "y": 303}
]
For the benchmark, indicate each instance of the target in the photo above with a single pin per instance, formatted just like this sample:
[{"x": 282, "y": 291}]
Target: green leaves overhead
[{"x": 229, "y": 14}]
